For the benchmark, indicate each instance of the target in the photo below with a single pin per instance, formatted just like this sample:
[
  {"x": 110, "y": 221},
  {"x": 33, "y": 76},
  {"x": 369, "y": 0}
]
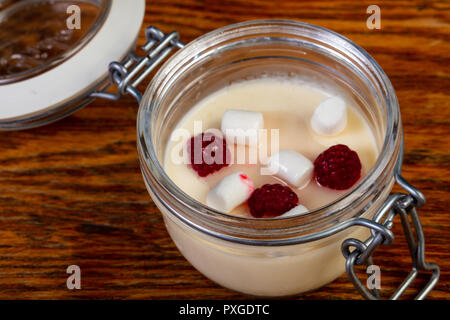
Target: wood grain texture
[{"x": 72, "y": 193}]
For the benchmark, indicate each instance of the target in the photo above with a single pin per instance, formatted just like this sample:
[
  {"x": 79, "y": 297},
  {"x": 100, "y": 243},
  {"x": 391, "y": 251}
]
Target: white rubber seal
[{"x": 80, "y": 72}]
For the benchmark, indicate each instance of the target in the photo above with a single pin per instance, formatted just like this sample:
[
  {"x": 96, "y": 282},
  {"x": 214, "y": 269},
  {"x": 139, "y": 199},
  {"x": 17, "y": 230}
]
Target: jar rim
[{"x": 158, "y": 181}]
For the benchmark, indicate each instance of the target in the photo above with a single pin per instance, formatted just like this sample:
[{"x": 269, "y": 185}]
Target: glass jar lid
[
  {"x": 34, "y": 35},
  {"x": 49, "y": 68}
]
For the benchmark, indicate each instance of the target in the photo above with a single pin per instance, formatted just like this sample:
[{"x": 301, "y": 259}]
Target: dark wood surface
[{"x": 72, "y": 193}]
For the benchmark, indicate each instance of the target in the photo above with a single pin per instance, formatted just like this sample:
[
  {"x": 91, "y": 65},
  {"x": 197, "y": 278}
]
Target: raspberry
[
  {"x": 272, "y": 200},
  {"x": 337, "y": 168},
  {"x": 208, "y": 153}
]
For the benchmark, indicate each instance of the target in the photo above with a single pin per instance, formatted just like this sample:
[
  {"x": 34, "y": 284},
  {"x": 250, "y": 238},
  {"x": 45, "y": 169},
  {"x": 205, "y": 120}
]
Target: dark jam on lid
[{"x": 36, "y": 34}]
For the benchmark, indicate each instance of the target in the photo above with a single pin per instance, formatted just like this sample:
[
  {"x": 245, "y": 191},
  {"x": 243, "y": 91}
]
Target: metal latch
[
  {"x": 128, "y": 74},
  {"x": 380, "y": 227}
]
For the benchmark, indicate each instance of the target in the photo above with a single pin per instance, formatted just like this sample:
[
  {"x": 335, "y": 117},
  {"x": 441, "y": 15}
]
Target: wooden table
[{"x": 72, "y": 193}]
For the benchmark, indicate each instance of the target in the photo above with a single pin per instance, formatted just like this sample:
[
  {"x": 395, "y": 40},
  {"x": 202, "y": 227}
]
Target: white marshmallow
[
  {"x": 242, "y": 126},
  {"x": 230, "y": 192},
  {"x": 298, "y": 210},
  {"x": 292, "y": 167},
  {"x": 330, "y": 117}
]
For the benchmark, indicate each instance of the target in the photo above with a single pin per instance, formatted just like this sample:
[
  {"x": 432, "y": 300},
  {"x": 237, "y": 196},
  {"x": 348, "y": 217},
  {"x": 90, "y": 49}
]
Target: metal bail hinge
[
  {"x": 128, "y": 74},
  {"x": 403, "y": 205}
]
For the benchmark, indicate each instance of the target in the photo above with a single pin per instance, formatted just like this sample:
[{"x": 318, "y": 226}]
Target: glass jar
[{"x": 283, "y": 256}]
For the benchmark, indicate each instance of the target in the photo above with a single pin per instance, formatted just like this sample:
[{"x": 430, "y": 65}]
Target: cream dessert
[
  {"x": 299, "y": 117},
  {"x": 307, "y": 130}
]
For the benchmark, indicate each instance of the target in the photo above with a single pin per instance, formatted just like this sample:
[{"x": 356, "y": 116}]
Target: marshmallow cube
[
  {"x": 292, "y": 167},
  {"x": 242, "y": 126},
  {"x": 296, "y": 211},
  {"x": 330, "y": 117},
  {"x": 230, "y": 192}
]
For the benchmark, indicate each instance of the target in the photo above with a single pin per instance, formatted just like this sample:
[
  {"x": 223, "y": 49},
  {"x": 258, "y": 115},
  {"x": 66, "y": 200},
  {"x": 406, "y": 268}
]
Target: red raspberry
[
  {"x": 337, "y": 168},
  {"x": 272, "y": 200},
  {"x": 208, "y": 153}
]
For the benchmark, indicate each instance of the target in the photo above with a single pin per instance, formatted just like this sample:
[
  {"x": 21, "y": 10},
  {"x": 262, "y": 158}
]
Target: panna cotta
[
  {"x": 293, "y": 122},
  {"x": 266, "y": 146}
]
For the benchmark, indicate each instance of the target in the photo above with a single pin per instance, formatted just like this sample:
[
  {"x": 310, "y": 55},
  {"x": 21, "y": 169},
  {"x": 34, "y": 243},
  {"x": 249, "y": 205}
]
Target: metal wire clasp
[
  {"x": 128, "y": 74},
  {"x": 405, "y": 206}
]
